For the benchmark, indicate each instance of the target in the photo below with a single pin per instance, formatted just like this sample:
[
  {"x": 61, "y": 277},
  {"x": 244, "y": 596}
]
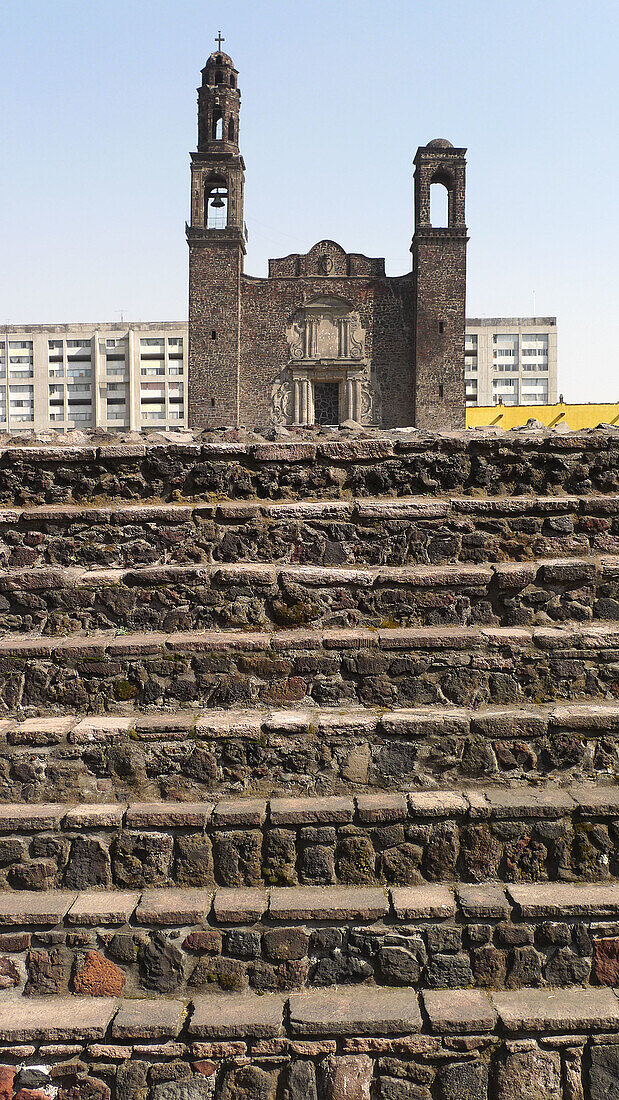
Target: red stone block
[
  {"x": 7, "y": 1076},
  {"x": 98, "y": 977},
  {"x": 606, "y": 961}
]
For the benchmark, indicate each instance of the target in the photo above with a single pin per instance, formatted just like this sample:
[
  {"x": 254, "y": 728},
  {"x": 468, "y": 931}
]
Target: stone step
[
  {"x": 192, "y": 754},
  {"x": 516, "y": 835},
  {"x": 343, "y": 667},
  {"x": 403, "y": 463},
  {"x": 323, "y": 1013},
  {"x": 334, "y": 1044},
  {"x": 389, "y": 530},
  {"x": 255, "y": 595},
  {"x": 185, "y": 940}
]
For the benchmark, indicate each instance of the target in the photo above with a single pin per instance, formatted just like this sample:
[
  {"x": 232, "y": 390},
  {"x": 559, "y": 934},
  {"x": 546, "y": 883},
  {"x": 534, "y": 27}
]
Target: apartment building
[
  {"x": 511, "y": 361},
  {"x": 115, "y": 376}
]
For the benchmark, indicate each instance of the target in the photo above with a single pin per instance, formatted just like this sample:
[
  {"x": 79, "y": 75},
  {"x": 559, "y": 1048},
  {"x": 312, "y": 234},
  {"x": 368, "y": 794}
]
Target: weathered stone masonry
[{"x": 308, "y": 758}]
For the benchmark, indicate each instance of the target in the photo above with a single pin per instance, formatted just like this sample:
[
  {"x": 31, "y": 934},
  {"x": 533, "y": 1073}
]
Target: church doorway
[{"x": 327, "y": 402}]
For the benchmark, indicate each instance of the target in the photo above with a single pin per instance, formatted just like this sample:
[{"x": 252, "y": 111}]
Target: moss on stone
[
  {"x": 124, "y": 690},
  {"x": 295, "y": 614}
]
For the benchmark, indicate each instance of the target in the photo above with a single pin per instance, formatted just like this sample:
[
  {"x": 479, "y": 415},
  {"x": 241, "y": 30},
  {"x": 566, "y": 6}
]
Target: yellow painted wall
[{"x": 514, "y": 416}]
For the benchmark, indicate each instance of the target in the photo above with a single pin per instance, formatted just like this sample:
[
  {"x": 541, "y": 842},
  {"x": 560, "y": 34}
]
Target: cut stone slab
[
  {"x": 173, "y": 907},
  {"x": 554, "y": 899},
  {"x": 422, "y": 902},
  {"x": 288, "y": 721},
  {"x": 357, "y": 1011},
  {"x": 95, "y": 816},
  {"x": 529, "y": 804},
  {"x": 152, "y": 726},
  {"x": 41, "y": 730},
  {"x": 14, "y": 817},
  {"x": 237, "y": 1016},
  {"x": 327, "y": 903},
  {"x": 403, "y": 508},
  {"x": 31, "y": 907},
  {"x": 164, "y": 815},
  {"x": 458, "y": 1010},
  {"x": 149, "y": 1019},
  {"x": 55, "y": 1019},
  {"x": 381, "y": 808},
  {"x": 576, "y": 1009},
  {"x": 231, "y": 723},
  {"x": 352, "y": 721},
  {"x": 480, "y": 902},
  {"x": 594, "y": 801},
  {"x": 436, "y": 804},
  {"x": 425, "y": 722},
  {"x": 311, "y": 811},
  {"x": 240, "y": 906},
  {"x": 243, "y": 813},
  {"x": 101, "y": 728},
  {"x": 510, "y": 723},
  {"x": 103, "y": 907},
  {"x": 586, "y": 716}
]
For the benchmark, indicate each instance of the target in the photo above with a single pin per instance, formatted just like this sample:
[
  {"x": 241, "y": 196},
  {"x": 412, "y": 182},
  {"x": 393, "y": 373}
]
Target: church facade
[{"x": 327, "y": 336}]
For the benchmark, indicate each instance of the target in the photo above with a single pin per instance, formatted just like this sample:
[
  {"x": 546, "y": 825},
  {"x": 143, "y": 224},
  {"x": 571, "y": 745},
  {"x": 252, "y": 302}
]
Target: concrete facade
[
  {"x": 327, "y": 336},
  {"x": 511, "y": 361},
  {"x": 116, "y": 376}
]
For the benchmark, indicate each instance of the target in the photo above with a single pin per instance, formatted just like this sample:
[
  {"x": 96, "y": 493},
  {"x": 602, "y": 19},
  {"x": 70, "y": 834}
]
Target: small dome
[
  {"x": 439, "y": 143},
  {"x": 219, "y": 58}
]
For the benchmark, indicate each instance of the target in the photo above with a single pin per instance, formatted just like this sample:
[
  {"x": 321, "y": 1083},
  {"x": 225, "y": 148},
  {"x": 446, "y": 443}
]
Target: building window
[{"x": 505, "y": 390}]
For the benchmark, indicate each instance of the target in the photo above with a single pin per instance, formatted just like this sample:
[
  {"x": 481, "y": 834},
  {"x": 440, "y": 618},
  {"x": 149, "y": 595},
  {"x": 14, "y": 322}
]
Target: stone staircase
[{"x": 309, "y": 756}]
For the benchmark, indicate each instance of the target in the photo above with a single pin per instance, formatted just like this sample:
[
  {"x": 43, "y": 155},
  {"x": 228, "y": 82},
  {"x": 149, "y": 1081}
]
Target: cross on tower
[{"x": 219, "y": 40}]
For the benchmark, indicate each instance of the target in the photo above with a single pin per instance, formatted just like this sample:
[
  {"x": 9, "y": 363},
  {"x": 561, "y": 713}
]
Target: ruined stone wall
[
  {"x": 313, "y": 466},
  {"x": 308, "y": 767}
]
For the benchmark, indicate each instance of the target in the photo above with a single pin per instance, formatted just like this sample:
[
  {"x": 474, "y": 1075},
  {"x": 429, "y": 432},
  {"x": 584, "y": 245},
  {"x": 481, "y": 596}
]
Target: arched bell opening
[{"x": 216, "y": 204}]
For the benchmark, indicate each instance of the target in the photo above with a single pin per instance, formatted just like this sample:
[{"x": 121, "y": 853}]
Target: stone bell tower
[
  {"x": 216, "y": 242},
  {"x": 439, "y": 274}
]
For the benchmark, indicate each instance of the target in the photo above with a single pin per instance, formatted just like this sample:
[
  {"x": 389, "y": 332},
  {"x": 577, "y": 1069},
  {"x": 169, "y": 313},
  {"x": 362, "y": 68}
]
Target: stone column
[
  {"x": 297, "y": 400},
  {"x": 356, "y": 399},
  {"x": 347, "y": 395},
  {"x": 303, "y": 403},
  {"x": 310, "y": 402}
]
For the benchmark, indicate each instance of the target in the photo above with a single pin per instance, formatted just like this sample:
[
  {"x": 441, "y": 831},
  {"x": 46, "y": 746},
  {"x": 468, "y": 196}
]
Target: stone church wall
[{"x": 384, "y": 307}]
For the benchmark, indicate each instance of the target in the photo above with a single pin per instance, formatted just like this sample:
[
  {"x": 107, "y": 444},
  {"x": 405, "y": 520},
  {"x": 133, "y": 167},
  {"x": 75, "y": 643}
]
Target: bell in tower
[{"x": 217, "y": 166}]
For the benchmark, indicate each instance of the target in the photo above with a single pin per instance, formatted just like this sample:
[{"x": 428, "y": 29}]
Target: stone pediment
[{"x": 326, "y": 259}]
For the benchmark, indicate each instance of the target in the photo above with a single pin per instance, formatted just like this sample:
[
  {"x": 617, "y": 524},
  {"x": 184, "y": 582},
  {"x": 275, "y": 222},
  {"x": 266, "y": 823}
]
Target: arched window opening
[
  {"x": 219, "y": 77},
  {"x": 216, "y": 204},
  {"x": 232, "y": 81},
  {"x": 231, "y": 130},
  {"x": 217, "y": 129},
  {"x": 439, "y": 205}
]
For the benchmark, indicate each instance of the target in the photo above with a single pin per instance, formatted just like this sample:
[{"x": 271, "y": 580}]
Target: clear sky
[{"x": 98, "y": 107}]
